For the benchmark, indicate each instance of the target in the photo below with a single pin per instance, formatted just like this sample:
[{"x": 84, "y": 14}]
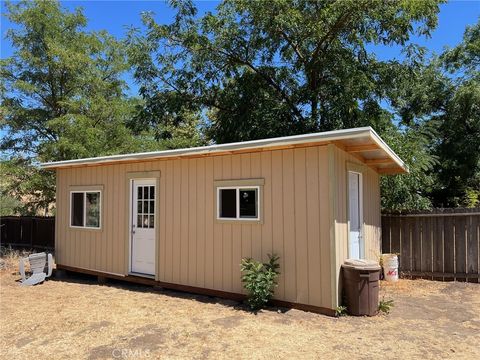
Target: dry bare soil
[{"x": 75, "y": 318}]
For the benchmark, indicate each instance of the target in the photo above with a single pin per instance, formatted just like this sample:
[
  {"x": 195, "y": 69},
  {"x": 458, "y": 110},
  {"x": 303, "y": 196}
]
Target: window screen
[
  {"x": 228, "y": 203},
  {"x": 248, "y": 203},
  {"x": 77, "y": 208},
  {"x": 93, "y": 209}
]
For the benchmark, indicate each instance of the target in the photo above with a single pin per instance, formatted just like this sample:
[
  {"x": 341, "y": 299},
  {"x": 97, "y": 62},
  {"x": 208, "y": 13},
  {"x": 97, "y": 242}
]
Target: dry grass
[
  {"x": 78, "y": 319},
  {"x": 9, "y": 258}
]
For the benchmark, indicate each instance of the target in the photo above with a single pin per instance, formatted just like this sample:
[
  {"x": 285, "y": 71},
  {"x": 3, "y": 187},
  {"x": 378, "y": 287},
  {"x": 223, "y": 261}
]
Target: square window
[
  {"x": 85, "y": 209},
  {"x": 228, "y": 203}
]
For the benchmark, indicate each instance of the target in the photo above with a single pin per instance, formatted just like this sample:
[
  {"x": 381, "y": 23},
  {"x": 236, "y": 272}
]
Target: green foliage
[
  {"x": 445, "y": 99},
  {"x": 340, "y": 311},
  {"x": 30, "y": 191},
  {"x": 410, "y": 191},
  {"x": 252, "y": 71},
  {"x": 459, "y": 145},
  {"x": 9, "y": 205},
  {"x": 260, "y": 280},
  {"x": 471, "y": 198},
  {"x": 65, "y": 98},
  {"x": 289, "y": 67},
  {"x": 385, "y": 306},
  {"x": 64, "y": 84}
]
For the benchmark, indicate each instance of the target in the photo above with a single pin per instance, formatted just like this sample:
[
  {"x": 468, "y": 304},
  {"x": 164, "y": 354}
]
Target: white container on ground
[{"x": 390, "y": 267}]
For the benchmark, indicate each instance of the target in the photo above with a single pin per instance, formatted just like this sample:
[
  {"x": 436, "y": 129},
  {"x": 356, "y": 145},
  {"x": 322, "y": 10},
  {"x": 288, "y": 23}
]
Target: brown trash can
[{"x": 360, "y": 286}]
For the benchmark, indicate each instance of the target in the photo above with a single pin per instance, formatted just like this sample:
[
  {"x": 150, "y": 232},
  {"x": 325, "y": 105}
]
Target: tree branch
[
  {"x": 268, "y": 79},
  {"x": 292, "y": 45}
]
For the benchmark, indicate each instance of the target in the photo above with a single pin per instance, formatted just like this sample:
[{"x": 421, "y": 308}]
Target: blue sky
[{"x": 117, "y": 16}]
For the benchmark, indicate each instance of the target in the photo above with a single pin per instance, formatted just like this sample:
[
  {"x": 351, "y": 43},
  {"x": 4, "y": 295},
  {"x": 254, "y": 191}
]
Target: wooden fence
[
  {"x": 443, "y": 244},
  {"x": 29, "y": 232}
]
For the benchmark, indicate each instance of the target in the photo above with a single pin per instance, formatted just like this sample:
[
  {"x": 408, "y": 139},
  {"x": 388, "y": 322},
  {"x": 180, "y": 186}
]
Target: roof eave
[{"x": 281, "y": 142}]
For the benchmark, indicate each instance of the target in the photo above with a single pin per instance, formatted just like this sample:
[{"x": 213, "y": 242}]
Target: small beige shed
[{"x": 184, "y": 219}]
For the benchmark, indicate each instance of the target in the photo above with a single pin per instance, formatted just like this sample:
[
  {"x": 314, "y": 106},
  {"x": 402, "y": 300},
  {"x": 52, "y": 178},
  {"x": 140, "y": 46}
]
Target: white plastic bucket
[{"x": 390, "y": 267}]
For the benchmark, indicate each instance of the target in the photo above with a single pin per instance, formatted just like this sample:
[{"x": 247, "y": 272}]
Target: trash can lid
[{"x": 361, "y": 264}]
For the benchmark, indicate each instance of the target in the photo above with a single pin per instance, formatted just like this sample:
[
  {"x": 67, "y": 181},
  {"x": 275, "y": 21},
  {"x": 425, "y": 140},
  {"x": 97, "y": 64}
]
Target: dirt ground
[{"x": 76, "y": 318}]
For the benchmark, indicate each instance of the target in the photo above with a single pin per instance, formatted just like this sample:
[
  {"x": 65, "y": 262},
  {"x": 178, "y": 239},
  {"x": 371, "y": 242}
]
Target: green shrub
[
  {"x": 340, "y": 311},
  {"x": 260, "y": 280},
  {"x": 385, "y": 306}
]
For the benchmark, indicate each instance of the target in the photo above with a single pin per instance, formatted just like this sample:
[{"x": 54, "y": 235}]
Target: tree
[
  {"x": 63, "y": 83},
  {"x": 65, "y": 97},
  {"x": 446, "y": 97},
  {"x": 459, "y": 147},
  {"x": 303, "y": 63},
  {"x": 256, "y": 71}
]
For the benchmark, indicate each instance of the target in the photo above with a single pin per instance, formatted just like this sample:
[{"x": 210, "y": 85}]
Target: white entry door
[
  {"x": 355, "y": 216},
  {"x": 143, "y": 195}
]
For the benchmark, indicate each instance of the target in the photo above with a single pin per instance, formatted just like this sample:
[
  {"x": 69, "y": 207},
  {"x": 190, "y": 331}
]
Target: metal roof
[{"x": 364, "y": 143}]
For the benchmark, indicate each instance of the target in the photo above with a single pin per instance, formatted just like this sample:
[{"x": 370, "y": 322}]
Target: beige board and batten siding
[
  {"x": 344, "y": 162},
  {"x": 196, "y": 250}
]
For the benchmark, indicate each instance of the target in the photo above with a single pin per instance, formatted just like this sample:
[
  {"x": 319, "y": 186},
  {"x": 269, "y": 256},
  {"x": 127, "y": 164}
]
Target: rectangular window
[
  {"x": 228, "y": 203},
  {"x": 85, "y": 209},
  {"x": 77, "y": 209},
  {"x": 145, "y": 206},
  {"x": 238, "y": 203}
]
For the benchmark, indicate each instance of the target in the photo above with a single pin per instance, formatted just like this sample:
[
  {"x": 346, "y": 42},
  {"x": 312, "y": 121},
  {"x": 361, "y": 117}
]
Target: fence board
[
  {"x": 438, "y": 236},
  {"x": 395, "y": 236},
  {"x": 417, "y": 238},
  {"x": 460, "y": 245},
  {"x": 405, "y": 245},
  {"x": 449, "y": 245},
  {"x": 31, "y": 232},
  {"x": 442, "y": 244},
  {"x": 473, "y": 258},
  {"x": 386, "y": 235},
  {"x": 427, "y": 255}
]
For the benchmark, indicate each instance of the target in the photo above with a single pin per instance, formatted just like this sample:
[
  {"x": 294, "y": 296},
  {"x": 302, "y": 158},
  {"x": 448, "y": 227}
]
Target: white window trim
[
  {"x": 85, "y": 192},
  {"x": 237, "y": 195}
]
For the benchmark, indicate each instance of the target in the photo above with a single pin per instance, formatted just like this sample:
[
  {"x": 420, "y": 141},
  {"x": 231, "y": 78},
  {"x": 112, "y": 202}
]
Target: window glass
[
  {"x": 77, "y": 208},
  {"x": 93, "y": 209},
  {"x": 248, "y": 203},
  {"x": 139, "y": 193},
  {"x": 152, "y": 192},
  {"x": 228, "y": 203}
]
